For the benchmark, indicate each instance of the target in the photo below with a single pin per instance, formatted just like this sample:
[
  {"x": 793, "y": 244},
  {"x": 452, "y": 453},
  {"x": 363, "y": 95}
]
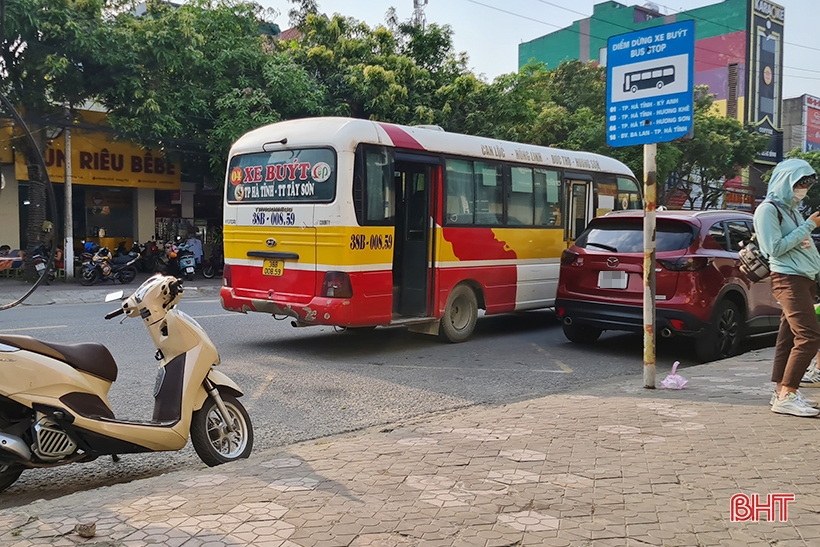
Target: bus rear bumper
[{"x": 318, "y": 311}]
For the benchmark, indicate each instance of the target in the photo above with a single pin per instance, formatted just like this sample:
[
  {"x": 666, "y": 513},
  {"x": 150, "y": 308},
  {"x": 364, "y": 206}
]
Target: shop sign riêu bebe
[{"x": 98, "y": 161}]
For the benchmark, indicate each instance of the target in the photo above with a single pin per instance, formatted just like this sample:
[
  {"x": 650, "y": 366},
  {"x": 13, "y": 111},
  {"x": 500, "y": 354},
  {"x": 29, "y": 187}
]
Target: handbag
[{"x": 753, "y": 263}]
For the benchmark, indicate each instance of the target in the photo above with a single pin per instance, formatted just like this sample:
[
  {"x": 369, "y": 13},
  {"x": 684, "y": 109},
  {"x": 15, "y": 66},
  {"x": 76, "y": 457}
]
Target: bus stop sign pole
[
  {"x": 649, "y": 99},
  {"x": 650, "y": 197}
]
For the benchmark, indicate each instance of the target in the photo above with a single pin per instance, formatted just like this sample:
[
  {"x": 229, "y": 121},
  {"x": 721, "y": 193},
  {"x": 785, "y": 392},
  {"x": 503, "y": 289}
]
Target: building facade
[
  {"x": 121, "y": 192},
  {"x": 801, "y": 124},
  {"x": 738, "y": 55}
]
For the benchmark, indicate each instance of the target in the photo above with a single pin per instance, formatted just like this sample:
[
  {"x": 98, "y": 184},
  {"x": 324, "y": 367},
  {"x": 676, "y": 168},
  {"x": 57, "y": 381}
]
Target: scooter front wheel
[
  {"x": 9, "y": 474},
  {"x": 212, "y": 440},
  {"x": 89, "y": 277}
]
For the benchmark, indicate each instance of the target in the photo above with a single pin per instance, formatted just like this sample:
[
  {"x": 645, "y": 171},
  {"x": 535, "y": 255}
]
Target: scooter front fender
[{"x": 222, "y": 382}]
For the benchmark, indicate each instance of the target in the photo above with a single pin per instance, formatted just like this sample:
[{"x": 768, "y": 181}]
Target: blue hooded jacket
[{"x": 787, "y": 243}]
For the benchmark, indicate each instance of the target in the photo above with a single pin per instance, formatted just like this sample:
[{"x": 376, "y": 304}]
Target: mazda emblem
[
  {"x": 612, "y": 262},
  {"x": 270, "y": 242}
]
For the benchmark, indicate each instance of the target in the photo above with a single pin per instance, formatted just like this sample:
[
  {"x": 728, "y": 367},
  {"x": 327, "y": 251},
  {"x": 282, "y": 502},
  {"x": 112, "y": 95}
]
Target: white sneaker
[
  {"x": 794, "y": 406},
  {"x": 812, "y": 376},
  {"x": 810, "y": 402}
]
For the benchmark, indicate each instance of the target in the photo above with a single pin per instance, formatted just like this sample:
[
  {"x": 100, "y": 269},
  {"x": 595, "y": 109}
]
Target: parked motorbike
[
  {"x": 186, "y": 262},
  {"x": 54, "y": 407},
  {"x": 40, "y": 260},
  {"x": 215, "y": 264},
  {"x": 103, "y": 266}
]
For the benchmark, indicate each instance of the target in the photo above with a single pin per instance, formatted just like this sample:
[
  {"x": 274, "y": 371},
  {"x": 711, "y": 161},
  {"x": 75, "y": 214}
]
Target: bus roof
[{"x": 344, "y": 134}]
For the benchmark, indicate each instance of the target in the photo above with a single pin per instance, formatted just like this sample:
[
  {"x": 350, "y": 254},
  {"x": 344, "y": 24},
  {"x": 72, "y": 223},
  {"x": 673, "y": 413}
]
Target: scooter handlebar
[{"x": 115, "y": 313}]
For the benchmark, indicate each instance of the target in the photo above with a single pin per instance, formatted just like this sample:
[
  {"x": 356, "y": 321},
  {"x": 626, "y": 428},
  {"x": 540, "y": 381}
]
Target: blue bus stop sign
[{"x": 649, "y": 85}]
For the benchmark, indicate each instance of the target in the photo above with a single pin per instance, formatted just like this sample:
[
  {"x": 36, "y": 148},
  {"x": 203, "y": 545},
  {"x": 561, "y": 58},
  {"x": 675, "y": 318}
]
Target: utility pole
[
  {"x": 68, "y": 251},
  {"x": 418, "y": 13}
]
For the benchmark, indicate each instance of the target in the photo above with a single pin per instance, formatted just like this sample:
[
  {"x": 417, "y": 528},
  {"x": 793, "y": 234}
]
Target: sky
[{"x": 489, "y": 31}]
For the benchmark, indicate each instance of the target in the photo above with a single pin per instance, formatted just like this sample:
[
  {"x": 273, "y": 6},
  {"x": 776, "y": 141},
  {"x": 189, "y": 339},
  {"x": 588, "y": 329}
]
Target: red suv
[{"x": 700, "y": 291}]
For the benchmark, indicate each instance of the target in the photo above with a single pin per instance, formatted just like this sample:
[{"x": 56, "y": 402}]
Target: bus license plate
[
  {"x": 612, "y": 280},
  {"x": 274, "y": 267}
]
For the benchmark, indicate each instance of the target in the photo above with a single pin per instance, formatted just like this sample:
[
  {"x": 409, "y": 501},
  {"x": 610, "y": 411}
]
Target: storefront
[{"x": 116, "y": 187}]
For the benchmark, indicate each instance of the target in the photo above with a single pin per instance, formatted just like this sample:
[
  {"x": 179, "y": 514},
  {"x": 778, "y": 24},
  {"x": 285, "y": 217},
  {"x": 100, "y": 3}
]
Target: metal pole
[
  {"x": 650, "y": 198},
  {"x": 68, "y": 252}
]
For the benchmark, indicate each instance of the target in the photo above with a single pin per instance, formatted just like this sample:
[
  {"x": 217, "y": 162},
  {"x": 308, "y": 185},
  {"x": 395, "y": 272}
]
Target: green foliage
[
  {"x": 720, "y": 148},
  {"x": 194, "y": 78},
  {"x": 812, "y": 201}
]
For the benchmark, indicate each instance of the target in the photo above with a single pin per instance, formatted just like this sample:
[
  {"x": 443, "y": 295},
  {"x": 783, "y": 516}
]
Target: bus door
[
  {"x": 579, "y": 206},
  {"x": 411, "y": 255}
]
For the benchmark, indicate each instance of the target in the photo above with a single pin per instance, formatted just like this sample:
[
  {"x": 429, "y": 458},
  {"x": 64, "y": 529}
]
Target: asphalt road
[{"x": 307, "y": 383}]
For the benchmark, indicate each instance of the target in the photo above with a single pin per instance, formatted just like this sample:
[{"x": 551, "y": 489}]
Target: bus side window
[
  {"x": 548, "y": 206},
  {"x": 629, "y": 195},
  {"x": 460, "y": 192},
  {"x": 489, "y": 198},
  {"x": 520, "y": 203},
  {"x": 376, "y": 204}
]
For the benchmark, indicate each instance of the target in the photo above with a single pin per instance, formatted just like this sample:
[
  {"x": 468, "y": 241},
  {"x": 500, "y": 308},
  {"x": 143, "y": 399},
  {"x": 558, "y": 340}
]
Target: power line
[
  {"x": 570, "y": 29},
  {"x": 728, "y": 27},
  {"x": 688, "y": 14}
]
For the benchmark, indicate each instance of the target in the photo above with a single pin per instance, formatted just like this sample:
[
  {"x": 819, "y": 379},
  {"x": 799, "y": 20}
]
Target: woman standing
[{"x": 795, "y": 264}]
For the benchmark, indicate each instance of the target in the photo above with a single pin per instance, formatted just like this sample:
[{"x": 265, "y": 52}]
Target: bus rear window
[{"x": 283, "y": 176}]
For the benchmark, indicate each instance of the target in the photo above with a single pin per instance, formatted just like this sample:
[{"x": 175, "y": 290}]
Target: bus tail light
[
  {"x": 337, "y": 285},
  {"x": 226, "y": 276}
]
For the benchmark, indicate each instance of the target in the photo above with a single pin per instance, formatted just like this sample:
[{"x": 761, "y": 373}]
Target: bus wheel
[
  {"x": 460, "y": 315},
  {"x": 634, "y": 89},
  {"x": 660, "y": 85}
]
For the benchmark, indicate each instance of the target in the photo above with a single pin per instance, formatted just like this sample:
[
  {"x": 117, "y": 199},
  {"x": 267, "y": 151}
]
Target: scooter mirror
[{"x": 116, "y": 295}]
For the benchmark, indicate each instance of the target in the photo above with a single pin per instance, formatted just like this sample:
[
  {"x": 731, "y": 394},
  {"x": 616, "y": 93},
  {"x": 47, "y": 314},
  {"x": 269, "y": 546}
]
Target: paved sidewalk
[
  {"x": 71, "y": 292},
  {"x": 611, "y": 465}
]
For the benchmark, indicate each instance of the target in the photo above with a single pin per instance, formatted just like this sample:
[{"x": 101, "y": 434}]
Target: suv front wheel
[
  {"x": 722, "y": 337},
  {"x": 581, "y": 334}
]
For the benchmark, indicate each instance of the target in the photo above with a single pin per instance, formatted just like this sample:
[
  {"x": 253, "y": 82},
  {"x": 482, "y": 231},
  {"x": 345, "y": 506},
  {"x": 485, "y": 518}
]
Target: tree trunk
[{"x": 36, "y": 217}]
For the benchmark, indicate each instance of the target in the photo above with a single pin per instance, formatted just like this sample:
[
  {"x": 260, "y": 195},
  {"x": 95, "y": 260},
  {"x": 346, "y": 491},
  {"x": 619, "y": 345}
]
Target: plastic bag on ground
[{"x": 674, "y": 380}]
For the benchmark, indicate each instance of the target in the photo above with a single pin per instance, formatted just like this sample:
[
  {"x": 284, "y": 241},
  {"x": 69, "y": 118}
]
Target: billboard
[
  {"x": 812, "y": 112},
  {"x": 765, "y": 76}
]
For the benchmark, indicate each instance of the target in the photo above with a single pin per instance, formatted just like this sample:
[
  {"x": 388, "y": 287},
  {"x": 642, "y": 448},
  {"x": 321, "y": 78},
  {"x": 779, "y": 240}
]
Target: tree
[
  {"x": 391, "y": 73},
  {"x": 719, "y": 149},
  {"x": 302, "y": 8},
  {"x": 194, "y": 78},
  {"x": 561, "y": 107},
  {"x": 812, "y": 200},
  {"x": 49, "y": 57}
]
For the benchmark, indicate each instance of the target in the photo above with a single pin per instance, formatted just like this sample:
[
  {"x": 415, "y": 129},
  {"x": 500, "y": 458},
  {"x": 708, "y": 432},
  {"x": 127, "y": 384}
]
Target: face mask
[{"x": 800, "y": 193}]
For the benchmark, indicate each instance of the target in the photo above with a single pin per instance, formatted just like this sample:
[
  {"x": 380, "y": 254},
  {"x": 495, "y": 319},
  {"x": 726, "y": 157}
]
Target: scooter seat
[{"x": 89, "y": 357}]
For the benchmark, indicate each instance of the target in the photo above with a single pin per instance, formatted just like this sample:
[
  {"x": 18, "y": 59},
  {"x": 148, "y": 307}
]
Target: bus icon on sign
[{"x": 646, "y": 79}]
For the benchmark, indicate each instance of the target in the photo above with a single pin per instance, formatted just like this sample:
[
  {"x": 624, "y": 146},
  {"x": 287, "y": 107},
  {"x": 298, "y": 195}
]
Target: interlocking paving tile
[{"x": 611, "y": 465}]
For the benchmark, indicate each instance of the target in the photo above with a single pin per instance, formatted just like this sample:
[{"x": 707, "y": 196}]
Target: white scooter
[{"x": 54, "y": 407}]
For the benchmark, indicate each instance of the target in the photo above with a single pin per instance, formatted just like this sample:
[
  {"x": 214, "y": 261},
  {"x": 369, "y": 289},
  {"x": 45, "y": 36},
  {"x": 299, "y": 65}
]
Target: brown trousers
[{"x": 799, "y": 336}]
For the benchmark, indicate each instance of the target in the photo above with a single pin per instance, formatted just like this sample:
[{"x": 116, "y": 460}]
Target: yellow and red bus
[{"x": 357, "y": 223}]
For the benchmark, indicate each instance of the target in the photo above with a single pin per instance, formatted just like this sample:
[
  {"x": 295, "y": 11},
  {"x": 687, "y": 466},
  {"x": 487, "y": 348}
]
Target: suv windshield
[{"x": 626, "y": 236}]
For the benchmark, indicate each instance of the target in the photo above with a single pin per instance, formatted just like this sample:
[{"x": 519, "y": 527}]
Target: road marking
[
  {"x": 564, "y": 368},
  {"x": 262, "y": 387},
  {"x": 476, "y": 369},
  {"x": 207, "y": 301},
  {"x": 34, "y": 328},
  {"x": 215, "y": 315}
]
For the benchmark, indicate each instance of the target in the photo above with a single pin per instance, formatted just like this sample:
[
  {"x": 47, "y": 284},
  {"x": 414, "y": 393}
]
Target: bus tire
[
  {"x": 660, "y": 85},
  {"x": 460, "y": 315}
]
